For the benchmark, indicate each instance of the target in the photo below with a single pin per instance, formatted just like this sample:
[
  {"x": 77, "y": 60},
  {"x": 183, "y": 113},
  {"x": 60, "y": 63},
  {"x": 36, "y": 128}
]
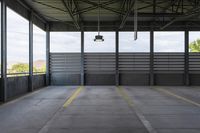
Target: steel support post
[
  {"x": 47, "y": 55},
  {"x": 186, "y": 67},
  {"x": 82, "y": 58},
  {"x": 117, "y": 58},
  {"x": 3, "y": 52},
  {"x": 151, "y": 57},
  {"x": 31, "y": 52}
]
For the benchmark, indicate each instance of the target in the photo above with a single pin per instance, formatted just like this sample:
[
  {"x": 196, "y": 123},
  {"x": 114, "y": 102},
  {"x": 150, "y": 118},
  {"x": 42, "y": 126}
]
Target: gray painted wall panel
[
  {"x": 99, "y": 79},
  {"x": 65, "y": 79},
  {"x": 38, "y": 81},
  {"x": 17, "y": 86},
  {"x": 194, "y": 79},
  {"x": 169, "y": 79},
  {"x": 134, "y": 79}
]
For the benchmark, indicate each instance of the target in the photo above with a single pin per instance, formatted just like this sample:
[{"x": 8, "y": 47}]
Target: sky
[{"x": 18, "y": 41}]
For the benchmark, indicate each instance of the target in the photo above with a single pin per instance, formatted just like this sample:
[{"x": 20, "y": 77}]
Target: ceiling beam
[
  {"x": 102, "y": 6},
  {"x": 187, "y": 15},
  {"x": 76, "y": 9},
  {"x": 123, "y": 21},
  {"x": 95, "y": 7},
  {"x": 37, "y": 14},
  {"x": 113, "y": 26},
  {"x": 122, "y": 8},
  {"x": 75, "y": 21},
  {"x": 50, "y": 6}
]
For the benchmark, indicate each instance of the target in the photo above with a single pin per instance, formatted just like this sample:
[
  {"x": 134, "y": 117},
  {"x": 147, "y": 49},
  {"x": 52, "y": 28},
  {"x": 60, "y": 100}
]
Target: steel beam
[
  {"x": 82, "y": 58},
  {"x": 94, "y": 7},
  {"x": 76, "y": 9},
  {"x": 35, "y": 13},
  {"x": 151, "y": 57},
  {"x": 3, "y": 52},
  {"x": 30, "y": 84},
  {"x": 117, "y": 58},
  {"x": 113, "y": 26},
  {"x": 50, "y": 6},
  {"x": 186, "y": 64},
  {"x": 47, "y": 54},
  {"x": 103, "y": 6},
  {"x": 187, "y": 15},
  {"x": 132, "y": 3},
  {"x": 71, "y": 15}
]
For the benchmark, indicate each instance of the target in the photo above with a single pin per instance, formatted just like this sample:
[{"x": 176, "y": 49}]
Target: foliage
[
  {"x": 42, "y": 69},
  {"x": 195, "y": 46},
  {"x": 24, "y": 68},
  {"x": 19, "y": 68}
]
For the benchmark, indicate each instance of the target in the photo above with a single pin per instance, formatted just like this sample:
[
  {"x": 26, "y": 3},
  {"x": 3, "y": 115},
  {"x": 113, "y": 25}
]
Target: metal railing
[{"x": 23, "y": 74}]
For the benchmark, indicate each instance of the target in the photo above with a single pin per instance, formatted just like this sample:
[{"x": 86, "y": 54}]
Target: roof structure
[{"x": 117, "y": 14}]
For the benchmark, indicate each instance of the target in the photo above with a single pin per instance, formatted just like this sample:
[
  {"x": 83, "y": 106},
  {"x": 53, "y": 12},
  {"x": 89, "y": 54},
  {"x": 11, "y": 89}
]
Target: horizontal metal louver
[
  {"x": 134, "y": 62},
  {"x": 99, "y": 63},
  {"x": 69, "y": 63},
  {"x": 169, "y": 62},
  {"x": 194, "y": 63}
]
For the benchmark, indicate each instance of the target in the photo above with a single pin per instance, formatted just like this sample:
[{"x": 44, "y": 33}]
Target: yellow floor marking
[
  {"x": 73, "y": 97},
  {"x": 177, "y": 96},
  {"x": 121, "y": 91},
  {"x": 138, "y": 112}
]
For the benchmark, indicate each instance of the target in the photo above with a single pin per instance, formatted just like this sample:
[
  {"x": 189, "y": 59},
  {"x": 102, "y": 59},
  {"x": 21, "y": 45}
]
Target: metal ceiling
[{"x": 77, "y": 13}]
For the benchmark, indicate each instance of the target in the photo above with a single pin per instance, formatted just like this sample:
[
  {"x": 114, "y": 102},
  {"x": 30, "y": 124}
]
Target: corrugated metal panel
[
  {"x": 134, "y": 62},
  {"x": 99, "y": 63},
  {"x": 194, "y": 63},
  {"x": 69, "y": 63},
  {"x": 169, "y": 62}
]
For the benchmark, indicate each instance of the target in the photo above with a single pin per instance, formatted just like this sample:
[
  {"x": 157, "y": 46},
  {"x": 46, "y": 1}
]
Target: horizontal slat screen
[
  {"x": 194, "y": 63},
  {"x": 69, "y": 63},
  {"x": 134, "y": 62},
  {"x": 99, "y": 63},
  {"x": 169, "y": 62}
]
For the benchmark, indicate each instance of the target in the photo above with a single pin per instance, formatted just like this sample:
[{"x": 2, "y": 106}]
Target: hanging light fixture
[{"x": 98, "y": 38}]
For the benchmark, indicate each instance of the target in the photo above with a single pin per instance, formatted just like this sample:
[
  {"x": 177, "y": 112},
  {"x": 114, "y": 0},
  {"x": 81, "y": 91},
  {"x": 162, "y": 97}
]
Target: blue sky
[{"x": 18, "y": 40}]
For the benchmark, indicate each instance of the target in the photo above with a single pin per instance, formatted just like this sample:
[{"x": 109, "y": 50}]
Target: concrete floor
[{"x": 104, "y": 109}]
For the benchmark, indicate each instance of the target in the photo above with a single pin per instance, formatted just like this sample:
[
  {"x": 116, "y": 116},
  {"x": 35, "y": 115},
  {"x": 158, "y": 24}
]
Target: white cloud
[{"x": 169, "y": 41}]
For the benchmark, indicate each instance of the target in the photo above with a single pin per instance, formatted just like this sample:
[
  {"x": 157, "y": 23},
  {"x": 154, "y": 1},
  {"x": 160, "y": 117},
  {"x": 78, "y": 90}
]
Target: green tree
[
  {"x": 19, "y": 68},
  {"x": 195, "y": 46}
]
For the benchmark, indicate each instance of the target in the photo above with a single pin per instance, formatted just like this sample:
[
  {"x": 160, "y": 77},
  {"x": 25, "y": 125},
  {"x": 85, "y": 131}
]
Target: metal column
[
  {"x": 117, "y": 58},
  {"x": 31, "y": 52},
  {"x": 3, "y": 52},
  {"x": 82, "y": 58},
  {"x": 47, "y": 55},
  {"x": 151, "y": 57},
  {"x": 186, "y": 67}
]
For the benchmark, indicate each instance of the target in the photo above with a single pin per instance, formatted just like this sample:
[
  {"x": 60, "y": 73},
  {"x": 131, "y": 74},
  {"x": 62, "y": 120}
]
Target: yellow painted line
[
  {"x": 177, "y": 96},
  {"x": 138, "y": 112},
  {"x": 73, "y": 97},
  {"x": 121, "y": 92}
]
